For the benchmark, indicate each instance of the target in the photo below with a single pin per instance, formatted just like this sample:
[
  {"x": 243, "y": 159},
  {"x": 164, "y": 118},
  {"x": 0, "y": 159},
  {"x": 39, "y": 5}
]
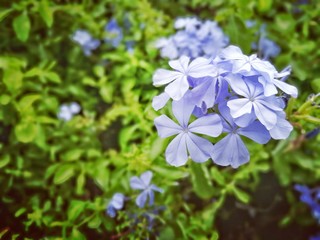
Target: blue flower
[
  {"x": 143, "y": 183},
  {"x": 86, "y": 41},
  {"x": 114, "y": 33},
  {"x": 194, "y": 38},
  {"x": 115, "y": 204},
  {"x": 237, "y": 153},
  {"x": 178, "y": 80},
  {"x": 311, "y": 197},
  {"x": 240, "y": 89},
  {"x": 67, "y": 111},
  {"x": 186, "y": 142}
]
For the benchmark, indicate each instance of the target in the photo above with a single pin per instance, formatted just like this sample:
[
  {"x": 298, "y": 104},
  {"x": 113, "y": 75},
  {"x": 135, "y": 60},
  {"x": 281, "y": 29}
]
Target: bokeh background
[{"x": 76, "y": 123}]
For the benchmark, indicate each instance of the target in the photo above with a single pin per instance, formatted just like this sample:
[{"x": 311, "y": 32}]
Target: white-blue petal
[
  {"x": 176, "y": 152},
  {"x": 166, "y": 127},
  {"x": 209, "y": 125}
]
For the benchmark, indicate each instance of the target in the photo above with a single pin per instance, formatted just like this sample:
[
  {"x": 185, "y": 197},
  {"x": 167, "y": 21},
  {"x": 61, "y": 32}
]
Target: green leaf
[
  {"x": 20, "y": 212},
  {"x": 72, "y": 155},
  {"x": 75, "y": 209},
  {"x": 52, "y": 76},
  {"x": 46, "y": 12},
  {"x": 95, "y": 222},
  {"x": 26, "y": 102},
  {"x": 264, "y": 5},
  {"x": 80, "y": 183},
  {"x": 236, "y": 30},
  {"x": 5, "y": 13},
  {"x": 63, "y": 173},
  {"x": 217, "y": 176},
  {"x": 21, "y": 26},
  {"x": 12, "y": 78},
  {"x": 241, "y": 195},
  {"x": 4, "y": 99},
  {"x": 201, "y": 180},
  {"x": 26, "y": 132},
  {"x": 4, "y": 160},
  {"x": 315, "y": 84}
]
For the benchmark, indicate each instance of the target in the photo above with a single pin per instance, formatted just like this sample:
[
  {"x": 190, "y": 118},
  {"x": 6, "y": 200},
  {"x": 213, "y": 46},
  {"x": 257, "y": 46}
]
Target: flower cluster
[
  {"x": 86, "y": 41},
  {"x": 265, "y": 47},
  {"x": 142, "y": 183},
  {"x": 311, "y": 197},
  {"x": 194, "y": 38},
  {"x": 67, "y": 111},
  {"x": 233, "y": 94},
  {"x": 113, "y": 37}
]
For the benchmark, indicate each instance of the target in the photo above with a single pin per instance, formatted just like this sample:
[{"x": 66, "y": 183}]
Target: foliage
[{"x": 57, "y": 177}]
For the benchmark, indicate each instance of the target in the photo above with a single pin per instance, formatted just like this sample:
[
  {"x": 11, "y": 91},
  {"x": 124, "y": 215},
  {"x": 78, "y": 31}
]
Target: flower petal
[
  {"x": 141, "y": 199},
  {"x": 256, "y": 132},
  {"x": 239, "y": 107},
  {"x": 163, "y": 76},
  {"x": 166, "y": 127},
  {"x": 181, "y": 64},
  {"x": 200, "y": 149},
  {"x": 282, "y": 129},
  {"x": 266, "y": 116},
  {"x": 146, "y": 177},
  {"x": 291, "y": 90},
  {"x": 209, "y": 125},
  {"x": 177, "y": 88},
  {"x": 176, "y": 152},
  {"x": 230, "y": 151},
  {"x": 136, "y": 183},
  {"x": 182, "y": 109},
  {"x": 238, "y": 85},
  {"x": 160, "y": 101}
]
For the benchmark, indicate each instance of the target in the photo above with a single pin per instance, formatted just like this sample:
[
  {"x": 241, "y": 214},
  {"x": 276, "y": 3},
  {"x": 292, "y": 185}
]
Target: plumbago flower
[
  {"x": 67, "y": 111},
  {"x": 143, "y": 183},
  {"x": 230, "y": 94},
  {"x": 86, "y": 41},
  {"x": 194, "y": 38},
  {"x": 115, "y": 204}
]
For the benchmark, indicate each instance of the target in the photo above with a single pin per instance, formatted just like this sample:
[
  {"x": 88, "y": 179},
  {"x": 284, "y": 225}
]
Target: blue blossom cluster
[
  {"x": 67, "y": 111},
  {"x": 232, "y": 94},
  {"x": 311, "y": 197},
  {"x": 142, "y": 183},
  {"x": 265, "y": 47},
  {"x": 194, "y": 38},
  {"x": 86, "y": 41},
  {"x": 113, "y": 37}
]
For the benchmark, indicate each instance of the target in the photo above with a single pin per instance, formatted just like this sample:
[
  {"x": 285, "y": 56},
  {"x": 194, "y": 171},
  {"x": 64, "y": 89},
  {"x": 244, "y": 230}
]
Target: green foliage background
[{"x": 57, "y": 177}]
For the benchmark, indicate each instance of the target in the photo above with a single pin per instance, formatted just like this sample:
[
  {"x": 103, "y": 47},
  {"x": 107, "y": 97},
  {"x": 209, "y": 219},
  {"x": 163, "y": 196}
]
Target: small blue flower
[
  {"x": 67, "y": 111},
  {"x": 187, "y": 142},
  {"x": 115, "y": 204},
  {"x": 86, "y": 41},
  {"x": 194, "y": 38},
  {"x": 114, "y": 33},
  {"x": 311, "y": 198},
  {"x": 143, "y": 183}
]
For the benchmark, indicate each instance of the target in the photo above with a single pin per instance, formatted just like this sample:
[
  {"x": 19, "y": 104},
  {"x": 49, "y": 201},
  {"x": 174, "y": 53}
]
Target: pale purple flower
[
  {"x": 194, "y": 38},
  {"x": 67, "y": 111},
  {"x": 143, "y": 183},
  {"x": 177, "y": 80},
  {"x": 231, "y": 150},
  {"x": 114, "y": 33},
  {"x": 253, "y": 101},
  {"x": 86, "y": 41},
  {"x": 187, "y": 142},
  {"x": 115, "y": 204}
]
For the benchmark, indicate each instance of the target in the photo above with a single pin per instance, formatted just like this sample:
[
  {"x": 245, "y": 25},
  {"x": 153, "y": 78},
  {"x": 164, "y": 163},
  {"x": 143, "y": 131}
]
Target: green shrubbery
[{"x": 58, "y": 176}]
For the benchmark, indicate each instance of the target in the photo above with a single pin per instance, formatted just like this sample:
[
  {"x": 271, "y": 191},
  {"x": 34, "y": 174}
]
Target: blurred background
[{"x": 76, "y": 123}]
